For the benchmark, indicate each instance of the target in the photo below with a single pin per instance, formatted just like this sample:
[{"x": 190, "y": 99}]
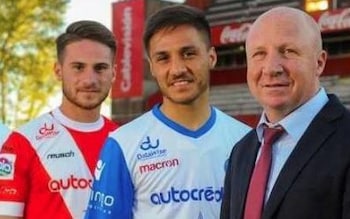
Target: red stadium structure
[{"x": 230, "y": 21}]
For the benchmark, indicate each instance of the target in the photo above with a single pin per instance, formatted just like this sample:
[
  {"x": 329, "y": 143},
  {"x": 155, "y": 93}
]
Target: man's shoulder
[
  {"x": 145, "y": 123},
  {"x": 110, "y": 124},
  {"x": 335, "y": 110},
  {"x": 19, "y": 140},
  {"x": 141, "y": 120},
  {"x": 46, "y": 117},
  {"x": 231, "y": 121}
]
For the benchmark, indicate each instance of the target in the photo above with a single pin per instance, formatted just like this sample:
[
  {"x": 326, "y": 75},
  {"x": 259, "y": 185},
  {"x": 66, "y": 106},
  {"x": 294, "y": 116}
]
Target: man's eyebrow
[
  {"x": 158, "y": 53},
  {"x": 76, "y": 63}
]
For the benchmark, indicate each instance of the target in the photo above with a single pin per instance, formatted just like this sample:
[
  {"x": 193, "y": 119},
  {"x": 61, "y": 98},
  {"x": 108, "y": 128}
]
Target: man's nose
[
  {"x": 273, "y": 65},
  {"x": 90, "y": 76},
  {"x": 178, "y": 66}
]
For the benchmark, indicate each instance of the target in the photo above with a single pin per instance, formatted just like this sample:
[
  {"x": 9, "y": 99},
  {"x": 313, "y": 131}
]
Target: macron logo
[{"x": 99, "y": 168}]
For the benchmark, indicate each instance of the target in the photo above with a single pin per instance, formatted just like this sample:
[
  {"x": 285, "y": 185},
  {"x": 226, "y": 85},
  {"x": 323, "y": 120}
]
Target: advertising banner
[
  {"x": 329, "y": 21},
  {"x": 332, "y": 21},
  {"x": 227, "y": 34},
  {"x": 127, "y": 24}
]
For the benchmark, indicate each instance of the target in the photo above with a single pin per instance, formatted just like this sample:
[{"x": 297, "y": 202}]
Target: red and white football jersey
[{"x": 46, "y": 167}]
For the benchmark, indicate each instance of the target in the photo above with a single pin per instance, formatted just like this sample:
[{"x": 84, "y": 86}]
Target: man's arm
[
  {"x": 13, "y": 181},
  {"x": 112, "y": 192}
]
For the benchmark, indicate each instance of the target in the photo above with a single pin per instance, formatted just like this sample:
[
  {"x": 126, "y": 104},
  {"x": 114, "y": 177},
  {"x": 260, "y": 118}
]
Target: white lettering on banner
[
  {"x": 234, "y": 35},
  {"x": 126, "y": 57},
  {"x": 339, "y": 21}
]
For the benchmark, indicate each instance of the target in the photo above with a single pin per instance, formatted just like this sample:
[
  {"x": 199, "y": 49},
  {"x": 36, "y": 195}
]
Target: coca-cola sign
[
  {"x": 334, "y": 20},
  {"x": 329, "y": 21},
  {"x": 233, "y": 33}
]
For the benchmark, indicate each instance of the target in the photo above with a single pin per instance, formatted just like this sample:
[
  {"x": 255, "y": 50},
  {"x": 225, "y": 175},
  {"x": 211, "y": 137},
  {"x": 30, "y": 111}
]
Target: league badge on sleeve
[{"x": 7, "y": 166}]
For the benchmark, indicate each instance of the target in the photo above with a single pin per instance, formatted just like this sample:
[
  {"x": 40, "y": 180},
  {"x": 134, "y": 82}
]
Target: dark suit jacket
[{"x": 314, "y": 183}]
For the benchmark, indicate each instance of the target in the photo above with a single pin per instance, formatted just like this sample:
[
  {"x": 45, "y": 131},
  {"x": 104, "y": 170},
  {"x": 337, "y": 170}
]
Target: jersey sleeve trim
[{"x": 11, "y": 208}]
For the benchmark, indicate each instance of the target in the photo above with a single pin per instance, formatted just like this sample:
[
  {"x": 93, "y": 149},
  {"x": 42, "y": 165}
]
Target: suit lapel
[{"x": 320, "y": 128}]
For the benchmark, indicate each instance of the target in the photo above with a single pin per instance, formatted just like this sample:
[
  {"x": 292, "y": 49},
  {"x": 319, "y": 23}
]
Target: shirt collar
[{"x": 297, "y": 121}]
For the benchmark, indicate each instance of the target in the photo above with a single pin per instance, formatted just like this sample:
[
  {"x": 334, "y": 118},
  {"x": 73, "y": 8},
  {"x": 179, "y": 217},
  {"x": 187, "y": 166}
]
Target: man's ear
[
  {"x": 321, "y": 62},
  {"x": 58, "y": 71},
  {"x": 212, "y": 57},
  {"x": 114, "y": 72},
  {"x": 150, "y": 66}
]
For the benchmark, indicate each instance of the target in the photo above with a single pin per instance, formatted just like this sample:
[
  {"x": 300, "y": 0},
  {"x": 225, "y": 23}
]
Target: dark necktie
[{"x": 257, "y": 187}]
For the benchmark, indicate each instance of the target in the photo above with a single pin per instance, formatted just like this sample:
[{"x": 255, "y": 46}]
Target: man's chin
[{"x": 90, "y": 105}]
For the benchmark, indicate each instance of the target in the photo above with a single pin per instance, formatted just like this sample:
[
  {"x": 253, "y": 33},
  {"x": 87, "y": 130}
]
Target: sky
[{"x": 97, "y": 10}]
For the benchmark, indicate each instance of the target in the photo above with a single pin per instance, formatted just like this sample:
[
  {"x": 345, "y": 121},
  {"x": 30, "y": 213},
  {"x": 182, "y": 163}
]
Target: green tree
[{"x": 28, "y": 29}]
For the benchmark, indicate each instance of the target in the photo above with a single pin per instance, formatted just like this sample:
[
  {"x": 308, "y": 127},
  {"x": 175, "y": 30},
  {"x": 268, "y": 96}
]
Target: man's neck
[{"x": 191, "y": 116}]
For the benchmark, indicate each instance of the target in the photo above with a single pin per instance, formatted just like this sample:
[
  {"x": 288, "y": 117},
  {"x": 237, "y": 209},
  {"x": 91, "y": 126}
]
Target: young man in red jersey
[{"x": 46, "y": 165}]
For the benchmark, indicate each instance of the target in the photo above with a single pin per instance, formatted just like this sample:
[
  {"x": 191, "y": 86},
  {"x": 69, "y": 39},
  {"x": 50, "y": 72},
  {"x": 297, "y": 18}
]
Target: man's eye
[
  {"x": 78, "y": 67},
  {"x": 100, "y": 68},
  {"x": 189, "y": 54},
  {"x": 288, "y": 51},
  {"x": 161, "y": 58},
  {"x": 258, "y": 54}
]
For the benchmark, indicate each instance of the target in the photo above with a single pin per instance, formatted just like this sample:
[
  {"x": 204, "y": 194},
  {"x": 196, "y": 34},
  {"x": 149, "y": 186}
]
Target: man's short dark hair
[
  {"x": 174, "y": 16},
  {"x": 85, "y": 29}
]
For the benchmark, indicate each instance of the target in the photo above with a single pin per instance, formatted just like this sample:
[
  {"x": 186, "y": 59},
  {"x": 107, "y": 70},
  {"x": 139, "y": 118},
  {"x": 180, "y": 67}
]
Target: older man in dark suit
[{"x": 308, "y": 168}]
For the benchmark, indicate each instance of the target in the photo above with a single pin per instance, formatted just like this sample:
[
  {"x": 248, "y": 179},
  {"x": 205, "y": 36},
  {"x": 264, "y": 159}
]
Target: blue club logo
[{"x": 147, "y": 144}]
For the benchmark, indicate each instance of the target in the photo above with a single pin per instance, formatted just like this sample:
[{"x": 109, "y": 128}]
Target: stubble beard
[
  {"x": 85, "y": 106},
  {"x": 201, "y": 90}
]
